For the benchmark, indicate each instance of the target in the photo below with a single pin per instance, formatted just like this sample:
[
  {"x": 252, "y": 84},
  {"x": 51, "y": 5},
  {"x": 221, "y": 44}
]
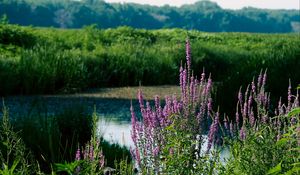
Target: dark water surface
[{"x": 114, "y": 112}]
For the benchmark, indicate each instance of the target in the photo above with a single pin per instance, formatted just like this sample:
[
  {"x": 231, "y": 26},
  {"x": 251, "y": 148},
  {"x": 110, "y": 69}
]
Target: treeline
[
  {"x": 203, "y": 15},
  {"x": 45, "y": 60}
]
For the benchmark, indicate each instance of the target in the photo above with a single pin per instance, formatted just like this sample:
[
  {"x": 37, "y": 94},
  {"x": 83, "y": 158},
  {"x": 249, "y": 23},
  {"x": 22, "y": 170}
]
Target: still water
[{"x": 114, "y": 113}]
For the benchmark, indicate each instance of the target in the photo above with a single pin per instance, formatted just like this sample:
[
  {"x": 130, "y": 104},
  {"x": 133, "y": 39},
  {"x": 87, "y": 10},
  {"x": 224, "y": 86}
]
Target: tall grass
[
  {"x": 15, "y": 158},
  {"x": 54, "y": 138},
  {"x": 73, "y": 60}
]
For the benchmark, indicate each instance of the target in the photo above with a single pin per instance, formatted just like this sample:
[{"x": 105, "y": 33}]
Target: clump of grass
[{"x": 14, "y": 157}]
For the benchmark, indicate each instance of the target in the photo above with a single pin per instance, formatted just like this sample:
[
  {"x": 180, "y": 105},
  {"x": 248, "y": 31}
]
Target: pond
[{"x": 112, "y": 105}]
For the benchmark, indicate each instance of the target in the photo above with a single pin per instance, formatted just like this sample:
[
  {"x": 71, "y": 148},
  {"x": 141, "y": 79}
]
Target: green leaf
[
  {"x": 67, "y": 167},
  {"x": 275, "y": 170},
  {"x": 294, "y": 170},
  {"x": 282, "y": 141},
  {"x": 13, "y": 167},
  {"x": 296, "y": 164},
  {"x": 295, "y": 111}
]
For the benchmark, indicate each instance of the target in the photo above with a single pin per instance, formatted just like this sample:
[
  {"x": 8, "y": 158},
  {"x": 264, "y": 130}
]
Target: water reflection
[{"x": 115, "y": 131}]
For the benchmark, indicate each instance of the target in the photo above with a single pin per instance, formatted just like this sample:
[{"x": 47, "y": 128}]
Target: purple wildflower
[
  {"x": 293, "y": 120},
  {"x": 265, "y": 119},
  {"x": 188, "y": 54},
  {"x": 192, "y": 87},
  {"x": 253, "y": 87},
  {"x": 242, "y": 133},
  {"x": 77, "y": 156},
  {"x": 249, "y": 105},
  {"x": 138, "y": 157},
  {"x": 237, "y": 117},
  {"x": 289, "y": 97},
  {"x": 252, "y": 118},
  {"x": 91, "y": 154},
  {"x": 280, "y": 108},
  {"x": 226, "y": 123},
  {"x": 171, "y": 151},
  {"x": 259, "y": 80},
  {"x": 245, "y": 110},
  {"x": 213, "y": 131},
  {"x": 208, "y": 86},
  {"x": 156, "y": 151},
  {"x": 184, "y": 84},
  {"x": 181, "y": 78},
  {"x": 209, "y": 104},
  {"x": 240, "y": 97},
  {"x": 141, "y": 101},
  {"x": 202, "y": 77}
]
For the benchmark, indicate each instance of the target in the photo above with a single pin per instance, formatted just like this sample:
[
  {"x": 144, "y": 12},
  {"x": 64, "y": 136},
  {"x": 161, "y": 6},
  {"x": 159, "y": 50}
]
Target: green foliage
[
  {"x": 13, "y": 156},
  {"x": 275, "y": 170},
  {"x": 9, "y": 171},
  {"x": 17, "y": 36},
  {"x": 67, "y": 167},
  {"x": 123, "y": 167},
  {"x": 262, "y": 153},
  {"x": 62, "y": 61}
]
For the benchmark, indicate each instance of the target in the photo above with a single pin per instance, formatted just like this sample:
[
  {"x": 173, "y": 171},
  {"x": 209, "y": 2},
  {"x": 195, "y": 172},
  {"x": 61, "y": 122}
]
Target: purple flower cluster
[
  {"x": 258, "y": 99},
  {"x": 255, "y": 97},
  {"x": 91, "y": 154},
  {"x": 190, "y": 110},
  {"x": 193, "y": 110}
]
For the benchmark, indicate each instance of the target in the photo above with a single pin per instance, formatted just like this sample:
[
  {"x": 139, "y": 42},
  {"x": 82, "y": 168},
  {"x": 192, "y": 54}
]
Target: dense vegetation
[
  {"x": 173, "y": 139},
  {"x": 45, "y": 60},
  {"x": 181, "y": 135},
  {"x": 203, "y": 15},
  {"x": 170, "y": 138}
]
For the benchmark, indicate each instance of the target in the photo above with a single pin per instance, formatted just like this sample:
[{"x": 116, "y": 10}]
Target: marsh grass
[
  {"x": 68, "y": 61},
  {"x": 52, "y": 138}
]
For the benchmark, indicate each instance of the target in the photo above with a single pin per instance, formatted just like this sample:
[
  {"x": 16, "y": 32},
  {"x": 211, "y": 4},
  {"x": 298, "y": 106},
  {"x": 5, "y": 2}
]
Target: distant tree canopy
[{"x": 203, "y": 15}]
